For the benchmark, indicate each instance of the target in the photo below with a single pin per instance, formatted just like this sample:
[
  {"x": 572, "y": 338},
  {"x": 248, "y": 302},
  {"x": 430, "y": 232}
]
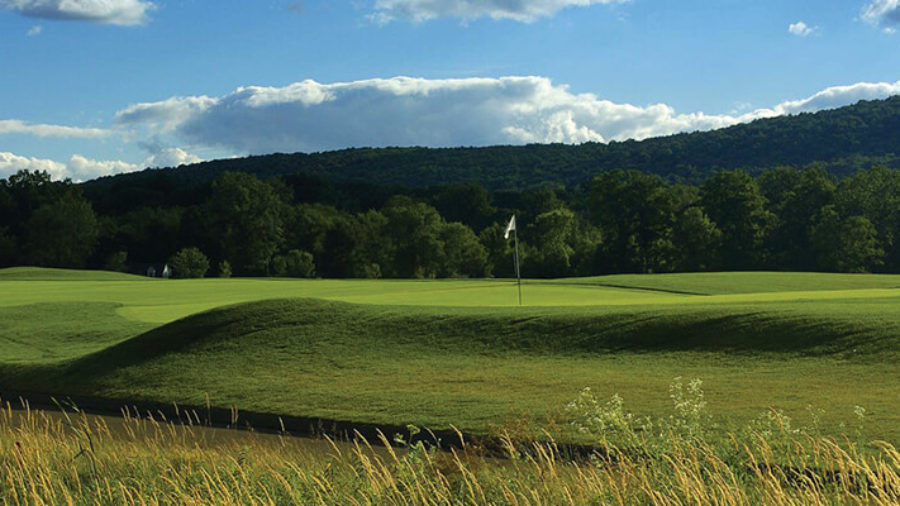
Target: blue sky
[{"x": 92, "y": 87}]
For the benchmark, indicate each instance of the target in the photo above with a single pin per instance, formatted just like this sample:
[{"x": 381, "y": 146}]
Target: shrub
[
  {"x": 299, "y": 264},
  {"x": 116, "y": 262},
  {"x": 224, "y": 269},
  {"x": 189, "y": 263}
]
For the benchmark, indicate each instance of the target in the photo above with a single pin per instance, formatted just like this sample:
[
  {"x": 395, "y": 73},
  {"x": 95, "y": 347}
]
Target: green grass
[
  {"x": 719, "y": 283},
  {"x": 47, "y": 274},
  {"x": 441, "y": 352}
]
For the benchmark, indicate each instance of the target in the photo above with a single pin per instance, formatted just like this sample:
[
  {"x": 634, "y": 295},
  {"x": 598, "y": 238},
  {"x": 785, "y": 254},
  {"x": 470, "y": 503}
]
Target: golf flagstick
[{"x": 511, "y": 227}]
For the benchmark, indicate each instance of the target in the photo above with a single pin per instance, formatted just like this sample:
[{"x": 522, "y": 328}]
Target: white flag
[{"x": 511, "y": 227}]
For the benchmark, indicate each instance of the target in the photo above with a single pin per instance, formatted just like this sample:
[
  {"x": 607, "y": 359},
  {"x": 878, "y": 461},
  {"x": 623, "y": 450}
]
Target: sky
[{"x": 96, "y": 87}]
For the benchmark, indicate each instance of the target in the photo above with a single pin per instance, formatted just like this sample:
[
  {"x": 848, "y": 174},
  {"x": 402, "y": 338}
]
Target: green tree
[
  {"x": 189, "y": 263},
  {"x": 299, "y": 264},
  {"x": 151, "y": 234},
  {"x": 8, "y": 248},
  {"x": 634, "y": 212},
  {"x": 224, "y": 269},
  {"x": 794, "y": 196},
  {"x": 116, "y": 261},
  {"x": 62, "y": 233},
  {"x": 695, "y": 240},
  {"x": 499, "y": 251},
  {"x": 413, "y": 231},
  {"x": 246, "y": 223},
  {"x": 845, "y": 245},
  {"x": 464, "y": 256},
  {"x": 551, "y": 238},
  {"x": 875, "y": 194},
  {"x": 373, "y": 248},
  {"x": 733, "y": 201},
  {"x": 467, "y": 203}
]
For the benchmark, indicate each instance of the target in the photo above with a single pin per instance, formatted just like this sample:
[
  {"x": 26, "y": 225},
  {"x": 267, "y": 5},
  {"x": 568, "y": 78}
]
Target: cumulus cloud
[
  {"x": 11, "y": 163},
  {"x": 838, "y": 96},
  {"x": 171, "y": 157},
  {"x": 165, "y": 116},
  {"x": 884, "y": 13},
  {"x": 111, "y": 12},
  {"x": 81, "y": 168},
  {"x": 403, "y": 111},
  {"x": 800, "y": 29},
  {"x": 13, "y": 126},
  {"x": 518, "y": 10}
]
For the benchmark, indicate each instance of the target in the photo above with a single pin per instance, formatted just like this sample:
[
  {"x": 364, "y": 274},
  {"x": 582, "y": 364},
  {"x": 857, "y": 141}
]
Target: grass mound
[
  {"x": 476, "y": 367},
  {"x": 301, "y": 323},
  {"x": 47, "y": 274}
]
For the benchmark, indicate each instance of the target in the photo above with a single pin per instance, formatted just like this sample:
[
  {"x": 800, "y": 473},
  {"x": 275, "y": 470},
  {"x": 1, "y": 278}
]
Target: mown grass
[
  {"x": 720, "y": 283},
  {"x": 480, "y": 367},
  {"x": 472, "y": 362}
]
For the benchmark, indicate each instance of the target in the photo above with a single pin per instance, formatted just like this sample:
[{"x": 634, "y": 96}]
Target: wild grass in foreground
[{"x": 79, "y": 460}]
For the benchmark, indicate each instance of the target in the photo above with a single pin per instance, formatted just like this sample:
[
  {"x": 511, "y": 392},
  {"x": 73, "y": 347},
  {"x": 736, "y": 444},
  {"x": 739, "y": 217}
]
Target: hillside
[{"x": 842, "y": 140}]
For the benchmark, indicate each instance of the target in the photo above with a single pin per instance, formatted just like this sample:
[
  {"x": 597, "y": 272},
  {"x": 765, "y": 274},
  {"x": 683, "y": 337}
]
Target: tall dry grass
[{"x": 81, "y": 460}]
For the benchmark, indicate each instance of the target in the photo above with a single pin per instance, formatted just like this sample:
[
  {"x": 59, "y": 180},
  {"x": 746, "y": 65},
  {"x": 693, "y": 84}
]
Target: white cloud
[
  {"x": 801, "y": 29},
  {"x": 35, "y": 31},
  {"x": 13, "y": 126},
  {"x": 171, "y": 157},
  {"x": 11, "y": 163},
  {"x": 165, "y": 116},
  {"x": 838, "y": 96},
  {"x": 111, "y": 12},
  {"x": 884, "y": 13},
  {"x": 403, "y": 111},
  {"x": 518, "y": 10},
  {"x": 80, "y": 168}
]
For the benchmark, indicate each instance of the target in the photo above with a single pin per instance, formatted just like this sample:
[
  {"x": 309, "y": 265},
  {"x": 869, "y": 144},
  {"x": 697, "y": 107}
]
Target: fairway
[{"x": 459, "y": 352}]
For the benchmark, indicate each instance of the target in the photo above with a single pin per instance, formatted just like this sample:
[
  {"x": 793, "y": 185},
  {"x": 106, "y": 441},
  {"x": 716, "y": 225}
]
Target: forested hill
[{"x": 841, "y": 140}]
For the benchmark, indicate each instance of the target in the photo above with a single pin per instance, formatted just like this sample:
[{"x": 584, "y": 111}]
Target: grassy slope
[
  {"x": 472, "y": 366},
  {"x": 475, "y": 368}
]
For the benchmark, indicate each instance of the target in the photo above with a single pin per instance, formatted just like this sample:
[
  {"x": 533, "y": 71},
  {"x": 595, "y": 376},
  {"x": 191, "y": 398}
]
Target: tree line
[
  {"x": 622, "y": 221},
  {"x": 842, "y": 140}
]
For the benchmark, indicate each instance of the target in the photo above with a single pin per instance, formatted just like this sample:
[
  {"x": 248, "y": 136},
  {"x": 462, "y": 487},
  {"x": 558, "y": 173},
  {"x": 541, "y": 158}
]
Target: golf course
[{"x": 461, "y": 353}]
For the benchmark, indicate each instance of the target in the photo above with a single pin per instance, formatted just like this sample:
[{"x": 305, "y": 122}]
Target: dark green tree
[
  {"x": 245, "y": 216},
  {"x": 224, "y": 269},
  {"x": 62, "y": 233},
  {"x": 464, "y": 256},
  {"x": 733, "y": 201},
  {"x": 845, "y": 244},
  {"x": 551, "y": 238},
  {"x": 413, "y": 231},
  {"x": 189, "y": 263},
  {"x": 467, "y": 203},
  {"x": 499, "y": 251},
  {"x": 875, "y": 194},
  {"x": 794, "y": 196},
  {"x": 695, "y": 240},
  {"x": 634, "y": 212},
  {"x": 298, "y": 264},
  {"x": 116, "y": 261}
]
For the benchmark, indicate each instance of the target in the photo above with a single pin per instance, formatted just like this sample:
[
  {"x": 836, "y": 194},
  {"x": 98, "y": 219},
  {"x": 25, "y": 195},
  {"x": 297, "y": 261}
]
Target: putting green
[{"x": 163, "y": 301}]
